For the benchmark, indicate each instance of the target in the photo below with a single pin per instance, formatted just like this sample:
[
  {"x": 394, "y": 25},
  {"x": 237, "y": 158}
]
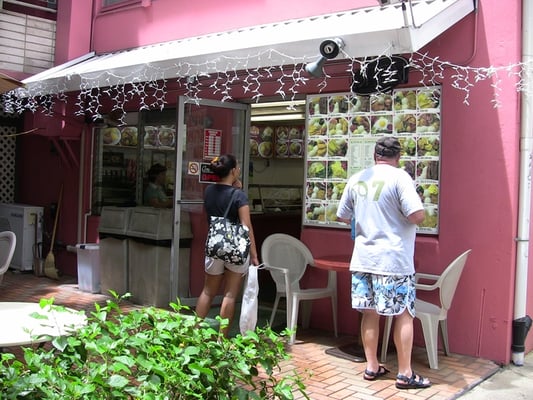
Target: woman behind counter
[{"x": 154, "y": 194}]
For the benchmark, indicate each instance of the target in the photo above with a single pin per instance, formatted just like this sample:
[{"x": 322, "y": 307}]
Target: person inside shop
[
  {"x": 216, "y": 199},
  {"x": 155, "y": 194},
  {"x": 386, "y": 207}
]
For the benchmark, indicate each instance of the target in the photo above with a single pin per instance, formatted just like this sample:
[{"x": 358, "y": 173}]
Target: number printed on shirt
[{"x": 374, "y": 191}]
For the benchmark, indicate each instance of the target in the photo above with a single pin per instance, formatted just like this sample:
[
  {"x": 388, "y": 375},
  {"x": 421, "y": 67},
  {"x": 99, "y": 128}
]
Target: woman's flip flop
[
  {"x": 412, "y": 382},
  {"x": 371, "y": 375}
]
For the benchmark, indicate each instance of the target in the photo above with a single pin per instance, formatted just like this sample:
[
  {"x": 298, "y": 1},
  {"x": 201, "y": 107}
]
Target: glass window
[{"x": 106, "y": 3}]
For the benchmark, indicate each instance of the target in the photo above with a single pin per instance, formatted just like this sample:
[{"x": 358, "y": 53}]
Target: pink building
[{"x": 135, "y": 55}]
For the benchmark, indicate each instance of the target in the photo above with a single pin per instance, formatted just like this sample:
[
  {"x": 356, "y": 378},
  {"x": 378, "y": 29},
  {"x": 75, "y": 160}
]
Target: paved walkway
[
  {"x": 509, "y": 383},
  {"x": 329, "y": 377}
]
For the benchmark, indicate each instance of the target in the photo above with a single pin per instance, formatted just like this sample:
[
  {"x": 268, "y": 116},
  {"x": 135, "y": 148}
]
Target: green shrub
[{"x": 152, "y": 354}]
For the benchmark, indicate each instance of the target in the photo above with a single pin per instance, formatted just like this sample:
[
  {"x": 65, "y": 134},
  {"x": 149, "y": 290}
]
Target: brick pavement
[{"x": 327, "y": 377}]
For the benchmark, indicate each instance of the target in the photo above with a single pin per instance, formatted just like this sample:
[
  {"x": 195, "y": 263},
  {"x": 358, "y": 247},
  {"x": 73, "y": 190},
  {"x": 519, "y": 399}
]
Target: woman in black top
[{"x": 216, "y": 199}]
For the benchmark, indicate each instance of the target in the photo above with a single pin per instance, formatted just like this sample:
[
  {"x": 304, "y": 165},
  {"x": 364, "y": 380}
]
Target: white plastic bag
[{"x": 248, "y": 319}]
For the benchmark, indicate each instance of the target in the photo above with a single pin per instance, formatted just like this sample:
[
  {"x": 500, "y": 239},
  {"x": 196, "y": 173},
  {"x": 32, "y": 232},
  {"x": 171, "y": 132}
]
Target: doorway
[{"x": 205, "y": 129}]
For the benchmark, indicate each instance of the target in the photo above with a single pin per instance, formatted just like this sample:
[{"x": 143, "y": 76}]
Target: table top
[
  {"x": 334, "y": 262},
  {"x": 21, "y": 322}
]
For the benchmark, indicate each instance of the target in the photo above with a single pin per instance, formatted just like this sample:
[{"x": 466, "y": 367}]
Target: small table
[
  {"x": 341, "y": 263},
  {"x": 338, "y": 263},
  {"x": 19, "y": 327}
]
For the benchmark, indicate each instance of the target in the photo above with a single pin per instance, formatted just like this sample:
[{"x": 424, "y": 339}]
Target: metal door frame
[{"x": 181, "y": 132}]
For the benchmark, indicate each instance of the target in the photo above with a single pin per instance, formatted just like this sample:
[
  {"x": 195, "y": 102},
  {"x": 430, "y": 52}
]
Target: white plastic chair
[
  {"x": 8, "y": 242},
  {"x": 287, "y": 259},
  {"x": 430, "y": 315}
]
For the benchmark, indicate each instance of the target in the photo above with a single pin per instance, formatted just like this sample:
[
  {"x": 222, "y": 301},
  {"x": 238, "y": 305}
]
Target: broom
[{"x": 50, "y": 269}]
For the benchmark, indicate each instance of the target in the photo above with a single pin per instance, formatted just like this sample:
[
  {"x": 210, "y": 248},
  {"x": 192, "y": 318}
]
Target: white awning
[{"x": 366, "y": 32}]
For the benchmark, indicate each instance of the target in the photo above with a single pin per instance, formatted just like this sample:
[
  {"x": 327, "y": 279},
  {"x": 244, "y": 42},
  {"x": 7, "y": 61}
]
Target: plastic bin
[{"x": 88, "y": 267}]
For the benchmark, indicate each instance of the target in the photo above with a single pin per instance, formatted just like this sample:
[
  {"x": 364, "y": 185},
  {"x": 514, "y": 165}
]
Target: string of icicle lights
[{"x": 146, "y": 88}]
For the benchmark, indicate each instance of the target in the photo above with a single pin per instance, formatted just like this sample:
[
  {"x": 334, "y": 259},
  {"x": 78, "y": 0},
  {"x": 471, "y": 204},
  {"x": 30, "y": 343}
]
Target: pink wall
[
  {"x": 73, "y": 30},
  {"x": 153, "y": 24},
  {"x": 479, "y": 183},
  {"x": 479, "y": 150}
]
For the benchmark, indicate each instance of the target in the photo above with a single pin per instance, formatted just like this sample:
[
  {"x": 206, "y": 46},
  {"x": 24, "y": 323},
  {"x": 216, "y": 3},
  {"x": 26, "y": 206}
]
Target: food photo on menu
[
  {"x": 111, "y": 136},
  {"x": 151, "y": 134},
  {"x": 167, "y": 135},
  {"x": 128, "y": 136},
  {"x": 360, "y": 125},
  {"x": 337, "y": 126}
]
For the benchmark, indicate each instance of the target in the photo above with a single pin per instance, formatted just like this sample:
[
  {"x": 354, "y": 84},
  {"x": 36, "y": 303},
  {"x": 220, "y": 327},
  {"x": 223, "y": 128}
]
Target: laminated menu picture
[
  {"x": 296, "y": 148},
  {"x": 428, "y": 123},
  {"x": 111, "y": 136},
  {"x": 317, "y": 148},
  {"x": 359, "y": 125},
  {"x": 288, "y": 142},
  {"x": 128, "y": 136},
  {"x": 428, "y": 98},
  {"x": 338, "y": 104},
  {"x": 404, "y": 124},
  {"x": 359, "y": 104},
  {"x": 428, "y": 146},
  {"x": 381, "y": 102},
  {"x": 151, "y": 134},
  {"x": 318, "y": 105},
  {"x": 427, "y": 171},
  {"x": 405, "y": 100},
  {"x": 167, "y": 136},
  {"x": 381, "y": 124},
  {"x": 431, "y": 220},
  {"x": 262, "y": 141},
  {"x": 317, "y": 126},
  {"x": 337, "y": 126},
  {"x": 337, "y": 147}
]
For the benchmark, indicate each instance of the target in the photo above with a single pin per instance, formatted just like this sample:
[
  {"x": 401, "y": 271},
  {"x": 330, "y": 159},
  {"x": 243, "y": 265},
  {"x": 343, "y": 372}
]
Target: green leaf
[{"x": 117, "y": 381}]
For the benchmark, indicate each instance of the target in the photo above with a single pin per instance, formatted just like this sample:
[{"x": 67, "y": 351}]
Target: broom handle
[{"x": 56, "y": 218}]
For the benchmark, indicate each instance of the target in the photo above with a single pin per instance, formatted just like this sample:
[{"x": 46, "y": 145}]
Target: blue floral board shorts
[{"x": 387, "y": 294}]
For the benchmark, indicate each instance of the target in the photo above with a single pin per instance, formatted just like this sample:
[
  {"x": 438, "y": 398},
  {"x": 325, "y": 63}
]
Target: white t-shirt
[{"x": 380, "y": 198}]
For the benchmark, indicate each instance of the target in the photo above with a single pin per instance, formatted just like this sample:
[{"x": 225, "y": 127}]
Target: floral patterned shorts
[{"x": 387, "y": 294}]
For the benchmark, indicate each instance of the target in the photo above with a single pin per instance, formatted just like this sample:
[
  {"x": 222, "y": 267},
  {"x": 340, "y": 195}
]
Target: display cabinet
[{"x": 124, "y": 154}]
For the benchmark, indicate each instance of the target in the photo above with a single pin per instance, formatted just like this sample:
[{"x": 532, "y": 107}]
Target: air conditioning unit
[{"x": 27, "y": 223}]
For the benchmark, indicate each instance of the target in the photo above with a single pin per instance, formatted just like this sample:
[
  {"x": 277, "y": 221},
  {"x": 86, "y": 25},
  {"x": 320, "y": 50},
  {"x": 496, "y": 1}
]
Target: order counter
[{"x": 136, "y": 253}]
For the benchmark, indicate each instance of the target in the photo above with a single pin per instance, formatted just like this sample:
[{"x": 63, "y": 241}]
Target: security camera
[
  {"x": 389, "y": 2},
  {"x": 330, "y": 48}
]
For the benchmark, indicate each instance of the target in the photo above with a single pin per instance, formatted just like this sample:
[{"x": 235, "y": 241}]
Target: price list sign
[{"x": 212, "y": 143}]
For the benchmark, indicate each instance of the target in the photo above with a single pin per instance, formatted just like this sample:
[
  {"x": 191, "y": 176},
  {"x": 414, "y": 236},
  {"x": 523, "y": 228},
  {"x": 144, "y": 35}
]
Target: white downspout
[{"x": 526, "y": 138}]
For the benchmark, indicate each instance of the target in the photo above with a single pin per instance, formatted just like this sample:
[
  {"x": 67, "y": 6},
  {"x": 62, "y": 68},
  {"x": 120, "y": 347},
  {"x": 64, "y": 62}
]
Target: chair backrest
[
  {"x": 8, "y": 242},
  {"x": 285, "y": 251},
  {"x": 449, "y": 279}
]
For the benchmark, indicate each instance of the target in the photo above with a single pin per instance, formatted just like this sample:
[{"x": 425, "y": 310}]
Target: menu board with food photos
[
  {"x": 160, "y": 136},
  {"x": 277, "y": 141},
  {"x": 342, "y": 130}
]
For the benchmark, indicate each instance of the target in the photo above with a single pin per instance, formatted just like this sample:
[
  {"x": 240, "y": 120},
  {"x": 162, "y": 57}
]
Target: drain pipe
[{"x": 522, "y": 322}]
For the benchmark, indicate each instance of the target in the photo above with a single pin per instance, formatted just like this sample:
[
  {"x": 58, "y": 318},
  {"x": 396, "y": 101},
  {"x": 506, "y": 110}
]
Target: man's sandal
[
  {"x": 412, "y": 382},
  {"x": 371, "y": 375}
]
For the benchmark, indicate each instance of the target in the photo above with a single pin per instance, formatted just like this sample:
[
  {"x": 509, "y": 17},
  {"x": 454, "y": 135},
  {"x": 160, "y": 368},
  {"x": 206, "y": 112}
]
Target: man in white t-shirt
[{"x": 386, "y": 209}]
